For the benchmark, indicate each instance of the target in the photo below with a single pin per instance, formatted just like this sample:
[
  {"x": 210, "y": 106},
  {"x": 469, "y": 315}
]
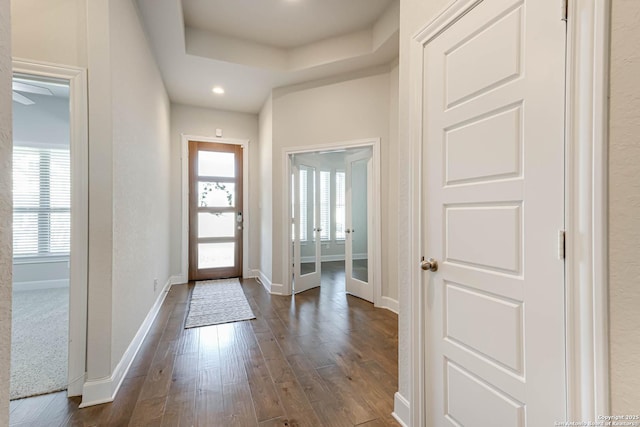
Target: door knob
[
  {"x": 429, "y": 265},
  {"x": 347, "y": 231}
]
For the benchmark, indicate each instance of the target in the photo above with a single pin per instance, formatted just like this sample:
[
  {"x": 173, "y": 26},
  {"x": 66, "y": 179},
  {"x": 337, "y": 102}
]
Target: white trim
[
  {"x": 104, "y": 390},
  {"x": 246, "y": 214},
  {"x": 78, "y": 271},
  {"x": 586, "y": 209},
  {"x": 390, "y": 304},
  {"x": 38, "y": 285},
  {"x": 177, "y": 280},
  {"x": 376, "y": 271},
  {"x": 586, "y": 198},
  {"x": 401, "y": 410}
]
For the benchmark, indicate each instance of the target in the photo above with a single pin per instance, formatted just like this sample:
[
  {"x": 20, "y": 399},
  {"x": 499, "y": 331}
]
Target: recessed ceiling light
[{"x": 218, "y": 90}]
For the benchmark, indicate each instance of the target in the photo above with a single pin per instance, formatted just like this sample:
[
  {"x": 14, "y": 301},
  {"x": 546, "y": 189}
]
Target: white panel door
[
  {"x": 493, "y": 204},
  {"x": 358, "y": 232},
  {"x": 306, "y": 228}
]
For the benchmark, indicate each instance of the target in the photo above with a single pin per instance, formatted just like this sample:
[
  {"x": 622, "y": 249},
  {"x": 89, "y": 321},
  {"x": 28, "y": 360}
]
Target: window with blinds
[
  {"x": 325, "y": 205},
  {"x": 340, "y": 205},
  {"x": 41, "y": 202},
  {"x": 304, "y": 206}
]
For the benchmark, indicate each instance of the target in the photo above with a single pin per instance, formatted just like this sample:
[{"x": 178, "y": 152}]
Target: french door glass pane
[
  {"x": 360, "y": 267},
  {"x": 307, "y": 219},
  {"x": 60, "y": 232},
  {"x": 216, "y": 194},
  {"x": 212, "y": 163},
  {"x": 218, "y": 224},
  {"x": 216, "y": 255}
]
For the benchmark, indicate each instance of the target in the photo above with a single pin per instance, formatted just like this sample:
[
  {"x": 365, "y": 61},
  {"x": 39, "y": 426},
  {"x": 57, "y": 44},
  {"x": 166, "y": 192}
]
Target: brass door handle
[{"x": 429, "y": 265}]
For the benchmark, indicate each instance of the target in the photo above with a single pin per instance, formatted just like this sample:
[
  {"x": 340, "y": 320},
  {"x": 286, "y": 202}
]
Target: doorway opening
[
  {"x": 41, "y": 235},
  {"x": 333, "y": 196}
]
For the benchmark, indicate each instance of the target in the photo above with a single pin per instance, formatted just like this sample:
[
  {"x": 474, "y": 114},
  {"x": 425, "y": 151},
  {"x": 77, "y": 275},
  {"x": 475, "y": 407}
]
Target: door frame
[
  {"x": 376, "y": 242},
  {"x": 586, "y": 217},
  {"x": 246, "y": 216},
  {"x": 78, "y": 257}
]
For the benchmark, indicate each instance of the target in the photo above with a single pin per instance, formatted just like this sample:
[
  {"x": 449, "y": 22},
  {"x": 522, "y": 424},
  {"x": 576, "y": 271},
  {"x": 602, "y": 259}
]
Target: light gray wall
[
  {"x": 141, "y": 176},
  {"x": 414, "y": 14},
  {"x": 265, "y": 188},
  {"x": 624, "y": 208},
  {"x": 5, "y": 209},
  {"x": 391, "y": 208},
  {"x": 50, "y": 31},
  {"x": 324, "y": 112},
  {"x": 199, "y": 121}
]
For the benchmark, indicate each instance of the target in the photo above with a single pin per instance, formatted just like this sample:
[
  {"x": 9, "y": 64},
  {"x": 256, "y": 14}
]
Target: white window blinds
[
  {"x": 325, "y": 205},
  {"x": 41, "y": 201},
  {"x": 340, "y": 205}
]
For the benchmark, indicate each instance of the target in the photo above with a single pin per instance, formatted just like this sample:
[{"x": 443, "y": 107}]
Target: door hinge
[
  {"x": 565, "y": 10},
  {"x": 562, "y": 242}
]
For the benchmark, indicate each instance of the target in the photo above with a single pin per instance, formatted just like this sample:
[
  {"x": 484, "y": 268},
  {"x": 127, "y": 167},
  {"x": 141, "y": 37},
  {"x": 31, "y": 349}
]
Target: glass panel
[
  {"x": 360, "y": 268},
  {"x": 340, "y": 206},
  {"x": 216, "y": 194},
  {"x": 25, "y": 233},
  {"x": 219, "y": 224},
  {"x": 216, "y": 255},
  {"x": 307, "y": 220},
  {"x": 212, "y": 163}
]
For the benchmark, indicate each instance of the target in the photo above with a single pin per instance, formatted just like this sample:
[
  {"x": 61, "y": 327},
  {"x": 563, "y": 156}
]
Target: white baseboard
[
  {"x": 277, "y": 289},
  {"x": 272, "y": 288},
  {"x": 178, "y": 279},
  {"x": 40, "y": 285},
  {"x": 390, "y": 304},
  {"x": 401, "y": 410},
  {"x": 104, "y": 390}
]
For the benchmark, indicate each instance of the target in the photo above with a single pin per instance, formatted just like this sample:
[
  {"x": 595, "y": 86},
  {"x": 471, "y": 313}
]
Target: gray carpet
[
  {"x": 39, "y": 342},
  {"x": 217, "y": 301}
]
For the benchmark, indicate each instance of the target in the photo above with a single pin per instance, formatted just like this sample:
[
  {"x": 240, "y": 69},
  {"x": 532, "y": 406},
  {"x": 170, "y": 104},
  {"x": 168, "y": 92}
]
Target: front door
[
  {"x": 493, "y": 206},
  {"x": 215, "y": 210},
  {"x": 306, "y": 226},
  {"x": 358, "y": 214}
]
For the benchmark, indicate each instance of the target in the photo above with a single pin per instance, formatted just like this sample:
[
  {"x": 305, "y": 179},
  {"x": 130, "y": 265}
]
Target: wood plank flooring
[{"x": 321, "y": 358}]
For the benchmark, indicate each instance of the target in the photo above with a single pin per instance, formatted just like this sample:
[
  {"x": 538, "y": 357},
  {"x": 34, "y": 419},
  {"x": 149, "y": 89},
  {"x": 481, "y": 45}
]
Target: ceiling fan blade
[
  {"x": 22, "y": 99},
  {"x": 29, "y": 88}
]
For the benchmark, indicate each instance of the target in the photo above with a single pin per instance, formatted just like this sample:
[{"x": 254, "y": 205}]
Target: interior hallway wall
[
  {"x": 265, "y": 189},
  {"x": 52, "y": 31},
  {"x": 141, "y": 176},
  {"x": 342, "y": 109},
  {"x": 624, "y": 208},
  {"x": 414, "y": 14},
  {"x": 199, "y": 121},
  {"x": 6, "y": 145}
]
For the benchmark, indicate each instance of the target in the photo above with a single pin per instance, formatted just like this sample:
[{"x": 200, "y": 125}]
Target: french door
[
  {"x": 215, "y": 210},
  {"x": 306, "y": 226},
  {"x": 493, "y": 206},
  {"x": 358, "y": 173}
]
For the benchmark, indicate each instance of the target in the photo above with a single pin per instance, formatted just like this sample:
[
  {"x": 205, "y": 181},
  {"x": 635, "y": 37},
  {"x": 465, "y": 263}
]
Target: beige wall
[
  {"x": 5, "y": 209},
  {"x": 53, "y": 31},
  {"x": 624, "y": 208},
  {"x": 327, "y": 112},
  {"x": 199, "y": 121}
]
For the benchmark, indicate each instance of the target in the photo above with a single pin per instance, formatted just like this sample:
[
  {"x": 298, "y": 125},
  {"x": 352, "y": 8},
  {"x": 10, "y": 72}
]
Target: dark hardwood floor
[{"x": 321, "y": 358}]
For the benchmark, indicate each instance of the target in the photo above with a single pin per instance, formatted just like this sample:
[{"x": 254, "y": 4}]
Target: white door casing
[
  {"x": 492, "y": 206},
  {"x": 78, "y": 258},
  {"x": 306, "y": 280},
  {"x": 357, "y": 280}
]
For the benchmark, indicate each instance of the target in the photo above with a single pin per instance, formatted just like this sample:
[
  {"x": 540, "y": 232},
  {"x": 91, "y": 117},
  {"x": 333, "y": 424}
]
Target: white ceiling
[
  {"x": 252, "y": 46},
  {"x": 283, "y": 23}
]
